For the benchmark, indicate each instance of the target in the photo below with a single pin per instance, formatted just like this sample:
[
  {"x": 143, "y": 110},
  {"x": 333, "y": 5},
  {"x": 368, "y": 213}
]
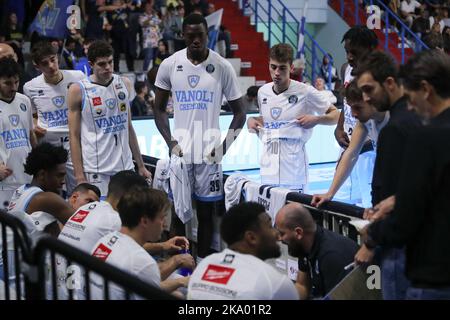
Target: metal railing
[
  {"x": 37, "y": 271},
  {"x": 408, "y": 39},
  {"x": 313, "y": 53}
]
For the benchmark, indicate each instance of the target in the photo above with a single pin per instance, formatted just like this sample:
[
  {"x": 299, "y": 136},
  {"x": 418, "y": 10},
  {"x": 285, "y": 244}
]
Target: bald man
[
  {"x": 6, "y": 51},
  {"x": 322, "y": 254}
]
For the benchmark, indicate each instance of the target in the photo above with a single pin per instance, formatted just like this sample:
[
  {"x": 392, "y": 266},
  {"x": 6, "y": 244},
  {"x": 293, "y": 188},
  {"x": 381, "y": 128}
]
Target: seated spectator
[
  {"x": 149, "y": 22},
  {"x": 299, "y": 69},
  {"x": 408, "y": 9},
  {"x": 319, "y": 84},
  {"x": 434, "y": 40},
  {"x": 322, "y": 254},
  {"x": 239, "y": 272},
  {"x": 422, "y": 23},
  {"x": 140, "y": 105},
  {"x": 251, "y": 99},
  {"x": 161, "y": 53},
  {"x": 142, "y": 212},
  {"x": 324, "y": 71}
]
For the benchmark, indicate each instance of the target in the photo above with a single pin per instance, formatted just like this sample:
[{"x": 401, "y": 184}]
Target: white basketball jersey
[
  {"x": 15, "y": 124},
  {"x": 104, "y": 127},
  {"x": 22, "y": 197},
  {"x": 284, "y": 161},
  {"x": 91, "y": 222},
  {"x": 50, "y": 103},
  {"x": 349, "y": 120},
  {"x": 374, "y": 128},
  {"x": 230, "y": 275},
  {"x": 197, "y": 92},
  {"x": 124, "y": 253}
]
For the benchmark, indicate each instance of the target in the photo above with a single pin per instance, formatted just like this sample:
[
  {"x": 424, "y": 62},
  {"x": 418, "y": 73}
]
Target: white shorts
[
  {"x": 99, "y": 180},
  {"x": 206, "y": 181}
]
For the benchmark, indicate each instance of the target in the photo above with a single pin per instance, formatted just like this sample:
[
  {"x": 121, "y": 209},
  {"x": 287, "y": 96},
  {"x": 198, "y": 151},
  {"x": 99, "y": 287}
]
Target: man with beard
[
  {"x": 239, "y": 271},
  {"x": 322, "y": 254}
]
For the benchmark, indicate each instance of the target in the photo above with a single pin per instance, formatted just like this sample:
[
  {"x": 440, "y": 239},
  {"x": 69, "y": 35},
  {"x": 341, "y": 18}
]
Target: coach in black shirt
[
  {"x": 421, "y": 218},
  {"x": 322, "y": 254}
]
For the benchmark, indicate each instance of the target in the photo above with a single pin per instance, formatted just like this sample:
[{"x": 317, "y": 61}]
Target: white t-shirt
[
  {"x": 89, "y": 223},
  {"x": 349, "y": 119},
  {"x": 374, "y": 128},
  {"x": 50, "y": 103},
  {"x": 409, "y": 7},
  {"x": 123, "y": 252},
  {"x": 197, "y": 92},
  {"x": 16, "y": 122},
  {"x": 284, "y": 160},
  {"x": 104, "y": 127},
  {"x": 229, "y": 275}
]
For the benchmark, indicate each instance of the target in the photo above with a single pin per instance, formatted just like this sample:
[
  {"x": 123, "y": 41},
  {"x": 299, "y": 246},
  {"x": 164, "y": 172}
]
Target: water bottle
[{"x": 184, "y": 271}]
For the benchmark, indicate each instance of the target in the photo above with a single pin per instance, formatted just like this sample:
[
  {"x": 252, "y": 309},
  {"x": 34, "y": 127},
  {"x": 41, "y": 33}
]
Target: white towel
[
  {"x": 233, "y": 188},
  {"x": 181, "y": 188},
  {"x": 272, "y": 198}
]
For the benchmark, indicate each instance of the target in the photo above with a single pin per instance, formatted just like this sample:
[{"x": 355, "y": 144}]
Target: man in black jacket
[
  {"x": 377, "y": 78},
  {"x": 422, "y": 205}
]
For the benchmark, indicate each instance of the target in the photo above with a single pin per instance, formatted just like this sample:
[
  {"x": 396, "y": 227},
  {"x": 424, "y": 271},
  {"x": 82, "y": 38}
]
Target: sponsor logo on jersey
[
  {"x": 23, "y": 107},
  {"x": 96, "y": 101},
  {"x": 113, "y": 240},
  {"x": 229, "y": 258},
  {"x": 123, "y": 107},
  {"x": 102, "y": 252},
  {"x": 92, "y": 206},
  {"x": 99, "y": 111},
  {"x": 217, "y": 274},
  {"x": 79, "y": 216},
  {"x": 293, "y": 99},
  {"x": 58, "y": 101},
  {"x": 14, "y": 119},
  {"x": 111, "y": 103},
  {"x": 118, "y": 86},
  {"x": 264, "y": 101},
  {"x": 193, "y": 81},
  {"x": 40, "y": 92},
  {"x": 180, "y": 68},
  {"x": 121, "y": 95},
  {"x": 275, "y": 112},
  {"x": 210, "y": 68}
]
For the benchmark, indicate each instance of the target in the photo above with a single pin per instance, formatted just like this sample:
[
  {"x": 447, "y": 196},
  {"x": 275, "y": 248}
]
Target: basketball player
[
  {"x": 102, "y": 139},
  {"x": 289, "y": 111},
  {"x": 48, "y": 93},
  {"x": 198, "y": 78},
  {"x": 16, "y": 131},
  {"x": 369, "y": 124},
  {"x": 358, "y": 41}
]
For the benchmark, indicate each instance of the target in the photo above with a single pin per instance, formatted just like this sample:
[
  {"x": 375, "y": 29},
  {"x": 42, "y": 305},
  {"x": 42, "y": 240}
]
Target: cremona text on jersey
[{"x": 15, "y": 138}]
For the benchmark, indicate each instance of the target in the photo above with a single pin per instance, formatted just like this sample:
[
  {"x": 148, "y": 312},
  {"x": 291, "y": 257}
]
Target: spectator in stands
[
  {"x": 6, "y": 51},
  {"x": 12, "y": 31},
  {"x": 68, "y": 54},
  {"x": 120, "y": 35},
  {"x": 140, "y": 104},
  {"x": 437, "y": 21},
  {"x": 173, "y": 25},
  {"x": 434, "y": 40},
  {"x": 251, "y": 238},
  {"x": 251, "y": 99},
  {"x": 422, "y": 23},
  {"x": 322, "y": 254},
  {"x": 325, "y": 71},
  {"x": 162, "y": 53},
  {"x": 149, "y": 22},
  {"x": 298, "y": 69},
  {"x": 420, "y": 219},
  {"x": 142, "y": 212},
  {"x": 200, "y": 5},
  {"x": 378, "y": 79},
  {"x": 408, "y": 11},
  {"x": 95, "y": 12},
  {"x": 319, "y": 84}
]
